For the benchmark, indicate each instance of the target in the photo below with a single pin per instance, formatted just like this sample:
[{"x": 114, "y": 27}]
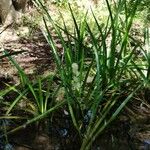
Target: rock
[{"x": 10, "y": 10}]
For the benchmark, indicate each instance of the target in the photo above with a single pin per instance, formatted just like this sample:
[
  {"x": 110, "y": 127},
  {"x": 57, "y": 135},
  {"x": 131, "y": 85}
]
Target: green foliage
[
  {"x": 98, "y": 72},
  {"x": 36, "y": 98},
  {"x": 93, "y": 88}
]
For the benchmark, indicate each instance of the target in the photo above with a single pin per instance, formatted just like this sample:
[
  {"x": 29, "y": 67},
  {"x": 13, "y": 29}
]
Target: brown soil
[{"x": 36, "y": 59}]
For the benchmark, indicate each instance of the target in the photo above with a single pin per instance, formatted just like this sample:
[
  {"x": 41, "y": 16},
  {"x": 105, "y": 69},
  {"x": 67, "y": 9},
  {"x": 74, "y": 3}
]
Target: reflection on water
[{"x": 61, "y": 135}]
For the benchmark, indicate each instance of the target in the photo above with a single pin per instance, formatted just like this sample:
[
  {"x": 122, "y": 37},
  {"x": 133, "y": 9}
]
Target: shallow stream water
[{"x": 60, "y": 135}]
